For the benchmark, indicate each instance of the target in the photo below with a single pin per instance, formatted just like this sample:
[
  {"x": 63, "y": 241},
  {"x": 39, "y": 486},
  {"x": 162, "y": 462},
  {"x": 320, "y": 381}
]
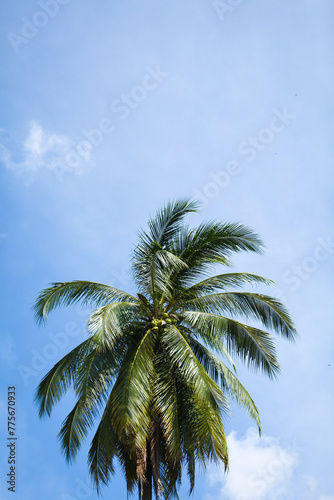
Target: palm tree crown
[{"x": 151, "y": 369}]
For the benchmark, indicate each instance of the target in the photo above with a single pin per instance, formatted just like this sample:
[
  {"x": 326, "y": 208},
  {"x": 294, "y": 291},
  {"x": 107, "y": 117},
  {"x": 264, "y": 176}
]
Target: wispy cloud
[
  {"x": 42, "y": 150},
  {"x": 260, "y": 469}
]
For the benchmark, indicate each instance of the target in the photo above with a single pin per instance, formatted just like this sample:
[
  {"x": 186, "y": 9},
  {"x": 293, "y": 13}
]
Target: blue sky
[{"x": 108, "y": 110}]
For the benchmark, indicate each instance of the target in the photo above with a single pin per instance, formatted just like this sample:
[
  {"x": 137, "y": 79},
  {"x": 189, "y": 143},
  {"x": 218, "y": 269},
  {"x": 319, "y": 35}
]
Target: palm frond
[
  {"x": 58, "y": 380},
  {"x": 271, "y": 312},
  {"x": 211, "y": 243},
  {"x": 208, "y": 400},
  {"x": 212, "y": 340},
  {"x": 255, "y": 347},
  {"x": 108, "y": 322},
  {"x": 86, "y": 292},
  {"x": 229, "y": 382},
  {"x": 185, "y": 362},
  {"x": 153, "y": 267},
  {"x": 104, "y": 448},
  {"x": 91, "y": 383},
  {"x": 166, "y": 403},
  {"x": 131, "y": 395},
  {"x": 221, "y": 281},
  {"x": 168, "y": 220}
]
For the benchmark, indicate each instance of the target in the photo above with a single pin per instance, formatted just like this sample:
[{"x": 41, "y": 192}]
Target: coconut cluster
[{"x": 159, "y": 324}]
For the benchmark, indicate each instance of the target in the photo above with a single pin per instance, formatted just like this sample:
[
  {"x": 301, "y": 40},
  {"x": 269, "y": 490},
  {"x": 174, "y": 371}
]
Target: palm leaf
[
  {"x": 132, "y": 393},
  {"x": 229, "y": 382},
  {"x": 211, "y": 243},
  {"x": 221, "y": 281},
  {"x": 92, "y": 381},
  {"x": 168, "y": 220},
  {"x": 72, "y": 292},
  {"x": 58, "y": 380},
  {"x": 108, "y": 322},
  {"x": 166, "y": 405},
  {"x": 208, "y": 399},
  {"x": 103, "y": 449},
  {"x": 271, "y": 312},
  {"x": 255, "y": 347}
]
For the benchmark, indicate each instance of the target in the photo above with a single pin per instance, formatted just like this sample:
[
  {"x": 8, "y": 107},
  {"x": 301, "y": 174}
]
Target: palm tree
[{"x": 151, "y": 369}]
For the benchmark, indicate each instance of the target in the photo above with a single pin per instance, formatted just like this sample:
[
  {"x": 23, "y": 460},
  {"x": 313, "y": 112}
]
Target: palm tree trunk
[
  {"x": 147, "y": 484},
  {"x": 155, "y": 457},
  {"x": 150, "y": 466}
]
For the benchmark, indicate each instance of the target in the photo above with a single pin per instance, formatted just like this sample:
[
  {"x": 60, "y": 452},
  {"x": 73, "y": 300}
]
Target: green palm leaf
[
  {"x": 107, "y": 322},
  {"x": 268, "y": 310},
  {"x": 222, "y": 281},
  {"x": 255, "y": 347},
  {"x": 86, "y": 292},
  {"x": 104, "y": 448},
  {"x": 132, "y": 393},
  {"x": 229, "y": 382},
  {"x": 168, "y": 220},
  {"x": 92, "y": 381},
  {"x": 58, "y": 380}
]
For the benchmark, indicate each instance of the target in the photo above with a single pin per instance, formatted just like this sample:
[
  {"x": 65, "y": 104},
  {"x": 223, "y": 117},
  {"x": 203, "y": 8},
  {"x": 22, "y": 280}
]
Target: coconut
[{"x": 155, "y": 329}]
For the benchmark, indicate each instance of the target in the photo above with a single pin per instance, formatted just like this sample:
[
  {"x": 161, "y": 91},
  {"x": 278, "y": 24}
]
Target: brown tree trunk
[
  {"x": 148, "y": 466},
  {"x": 147, "y": 484}
]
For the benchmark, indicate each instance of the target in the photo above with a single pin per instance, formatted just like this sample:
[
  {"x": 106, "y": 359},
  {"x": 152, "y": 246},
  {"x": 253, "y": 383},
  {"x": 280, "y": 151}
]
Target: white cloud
[
  {"x": 42, "y": 150},
  {"x": 260, "y": 469}
]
